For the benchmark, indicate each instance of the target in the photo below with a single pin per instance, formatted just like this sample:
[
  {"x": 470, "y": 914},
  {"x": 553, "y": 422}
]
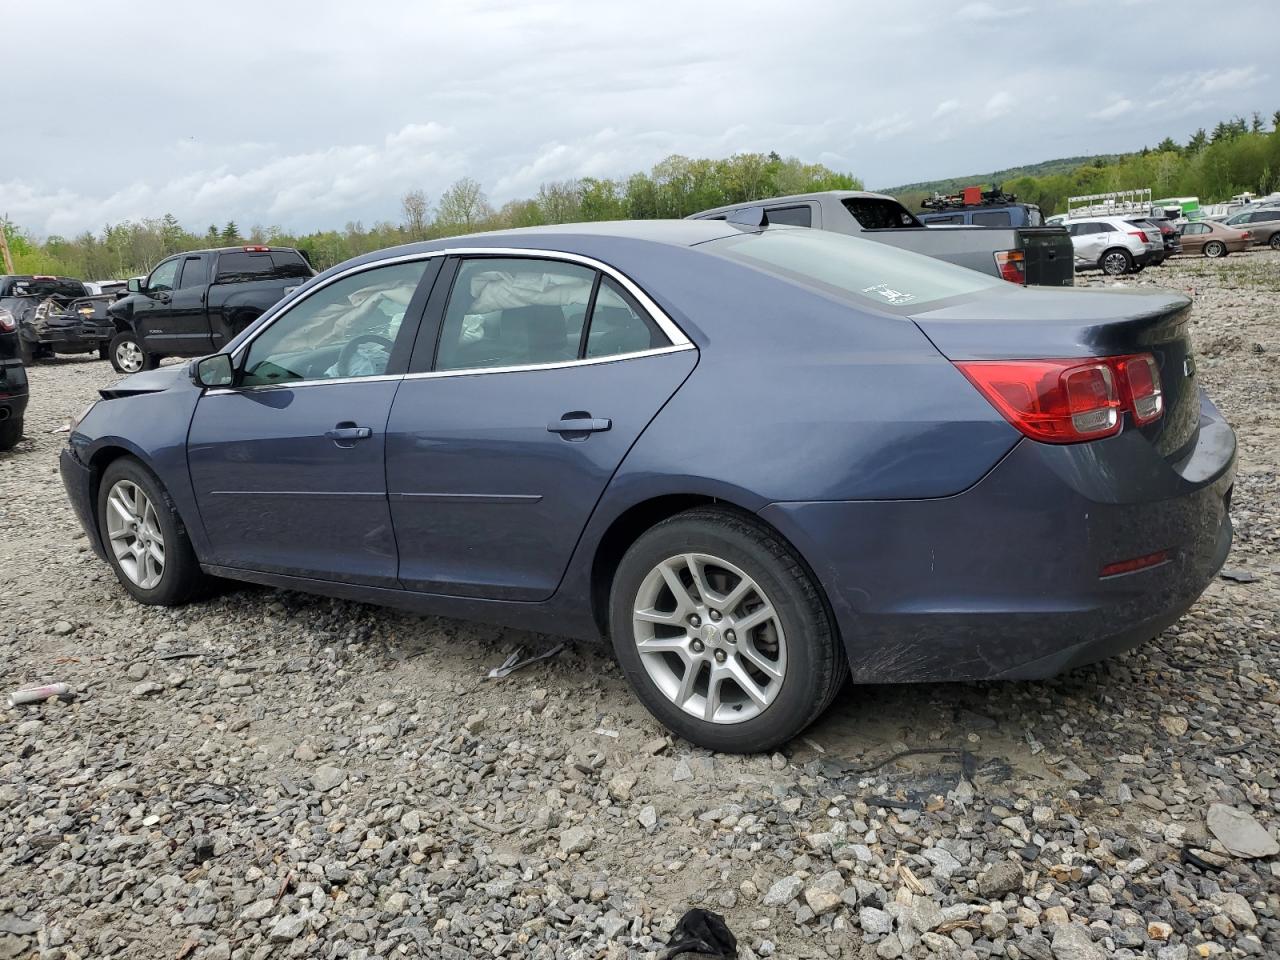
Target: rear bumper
[
  {"x": 1002, "y": 581},
  {"x": 65, "y": 335},
  {"x": 78, "y": 481}
]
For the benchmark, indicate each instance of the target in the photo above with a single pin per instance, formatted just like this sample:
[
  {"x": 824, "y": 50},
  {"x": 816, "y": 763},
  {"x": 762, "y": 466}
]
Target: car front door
[
  {"x": 288, "y": 464},
  {"x": 185, "y": 327},
  {"x": 151, "y": 308},
  {"x": 513, "y": 420}
]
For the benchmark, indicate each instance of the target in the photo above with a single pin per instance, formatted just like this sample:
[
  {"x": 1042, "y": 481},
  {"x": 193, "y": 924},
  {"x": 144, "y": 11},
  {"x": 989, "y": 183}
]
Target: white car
[{"x": 1113, "y": 245}]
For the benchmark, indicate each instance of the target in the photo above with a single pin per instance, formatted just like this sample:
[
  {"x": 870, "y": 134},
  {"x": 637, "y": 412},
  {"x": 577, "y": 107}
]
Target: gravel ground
[{"x": 272, "y": 774}]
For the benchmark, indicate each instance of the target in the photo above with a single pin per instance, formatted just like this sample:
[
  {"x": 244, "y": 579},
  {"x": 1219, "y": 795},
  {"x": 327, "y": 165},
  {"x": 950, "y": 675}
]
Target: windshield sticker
[{"x": 891, "y": 295}]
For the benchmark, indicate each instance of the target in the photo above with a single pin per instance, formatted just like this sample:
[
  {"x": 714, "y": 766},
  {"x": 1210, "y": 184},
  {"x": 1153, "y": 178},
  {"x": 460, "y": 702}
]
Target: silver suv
[{"x": 1113, "y": 245}]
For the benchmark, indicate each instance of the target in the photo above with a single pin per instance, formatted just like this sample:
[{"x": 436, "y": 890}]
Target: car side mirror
[
  {"x": 214, "y": 371},
  {"x": 134, "y": 285}
]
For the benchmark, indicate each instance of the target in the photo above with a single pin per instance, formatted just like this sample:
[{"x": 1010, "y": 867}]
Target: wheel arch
[{"x": 630, "y": 524}]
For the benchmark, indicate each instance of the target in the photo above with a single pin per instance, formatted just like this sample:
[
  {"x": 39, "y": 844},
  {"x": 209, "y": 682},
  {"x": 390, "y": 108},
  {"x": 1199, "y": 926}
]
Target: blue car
[{"x": 760, "y": 460}]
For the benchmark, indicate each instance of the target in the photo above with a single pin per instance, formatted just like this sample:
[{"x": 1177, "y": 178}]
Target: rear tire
[
  {"x": 145, "y": 539},
  {"x": 1274, "y": 242},
  {"x": 732, "y": 571},
  {"x": 127, "y": 354},
  {"x": 1115, "y": 263},
  {"x": 1215, "y": 249},
  {"x": 10, "y": 433}
]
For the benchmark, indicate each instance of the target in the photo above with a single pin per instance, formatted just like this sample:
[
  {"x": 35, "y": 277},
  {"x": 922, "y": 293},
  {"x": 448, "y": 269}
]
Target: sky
[{"x": 312, "y": 114}]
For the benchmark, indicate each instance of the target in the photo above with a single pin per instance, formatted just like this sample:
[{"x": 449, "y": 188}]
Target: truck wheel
[
  {"x": 1215, "y": 249},
  {"x": 1116, "y": 262},
  {"x": 127, "y": 355},
  {"x": 10, "y": 432}
]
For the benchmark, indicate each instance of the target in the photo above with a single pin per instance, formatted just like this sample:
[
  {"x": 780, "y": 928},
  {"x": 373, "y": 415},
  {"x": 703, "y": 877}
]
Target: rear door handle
[{"x": 580, "y": 425}]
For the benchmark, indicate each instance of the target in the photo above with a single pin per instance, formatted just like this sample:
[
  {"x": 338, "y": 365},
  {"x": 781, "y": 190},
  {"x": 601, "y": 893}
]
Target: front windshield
[{"x": 852, "y": 268}]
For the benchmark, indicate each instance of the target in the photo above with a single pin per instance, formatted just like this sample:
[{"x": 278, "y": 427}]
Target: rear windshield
[
  {"x": 852, "y": 268},
  {"x": 879, "y": 213},
  {"x": 37, "y": 287},
  {"x": 275, "y": 265}
]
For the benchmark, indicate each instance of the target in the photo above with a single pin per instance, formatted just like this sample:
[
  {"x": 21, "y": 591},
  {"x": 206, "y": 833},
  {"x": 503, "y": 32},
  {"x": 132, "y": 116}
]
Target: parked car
[
  {"x": 1263, "y": 225},
  {"x": 194, "y": 303},
  {"x": 1168, "y": 233},
  {"x": 40, "y": 305},
  {"x": 1213, "y": 239},
  {"x": 980, "y": 208},
  {"x": 758, "y": 459},
  {"x": 1037, "y": 256},
  {"x": 1114, "y": 245},
  {"x": 13, "y": 381}
]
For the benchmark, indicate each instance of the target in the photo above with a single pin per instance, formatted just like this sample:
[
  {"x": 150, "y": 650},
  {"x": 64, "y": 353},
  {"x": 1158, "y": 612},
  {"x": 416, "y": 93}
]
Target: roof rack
[
  {"x": 969, "y": 197},
  {"x": 1119, "y": 203}
]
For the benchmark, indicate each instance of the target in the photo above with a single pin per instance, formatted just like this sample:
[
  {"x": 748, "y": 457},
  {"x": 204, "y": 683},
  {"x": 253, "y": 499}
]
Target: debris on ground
[{"x": 514, "y": 662}]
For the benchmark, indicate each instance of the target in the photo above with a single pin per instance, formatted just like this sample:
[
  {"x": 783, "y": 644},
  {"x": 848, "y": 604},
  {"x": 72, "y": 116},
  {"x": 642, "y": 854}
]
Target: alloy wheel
[
  {"x": 129, "y": 356},
  {"x": 133, "y": 527},
  {"x": 709, "y": 638},
  {"x": 1214, "y": 249},
  {"x": 1114, "y": 264}
]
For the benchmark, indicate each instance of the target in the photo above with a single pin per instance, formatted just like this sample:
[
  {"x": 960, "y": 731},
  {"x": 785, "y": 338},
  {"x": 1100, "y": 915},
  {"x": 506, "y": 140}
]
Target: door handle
[
  {"x": 344, "y": 434},
  {"x": 579, "y": 425}
]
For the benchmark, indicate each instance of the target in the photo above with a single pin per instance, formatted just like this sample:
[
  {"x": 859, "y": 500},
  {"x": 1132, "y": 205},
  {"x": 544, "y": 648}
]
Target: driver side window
[
  {"x": 347, "y": 329},
  {"x": 165, "y": 276}
]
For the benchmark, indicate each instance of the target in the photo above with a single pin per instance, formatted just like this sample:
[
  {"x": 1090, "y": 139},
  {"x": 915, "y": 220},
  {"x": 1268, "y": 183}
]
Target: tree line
[
  {"x": 1237, "y": 155},
  {"x": 675, "y": 187}
]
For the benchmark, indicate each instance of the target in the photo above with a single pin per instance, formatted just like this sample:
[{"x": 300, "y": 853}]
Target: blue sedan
[{"x": 760, "y": 460}]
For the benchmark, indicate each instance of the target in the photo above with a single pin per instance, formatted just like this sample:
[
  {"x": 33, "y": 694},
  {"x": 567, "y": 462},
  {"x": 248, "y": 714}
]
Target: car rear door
[
  {"x": 516, "y": 414},
  {"x": 288, "y": 466}
]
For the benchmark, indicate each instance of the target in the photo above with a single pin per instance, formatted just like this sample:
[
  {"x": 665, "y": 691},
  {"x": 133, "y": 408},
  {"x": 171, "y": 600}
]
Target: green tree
[
  {"x": 231, "y": 233},
  {"x": 463, "y": 207}
]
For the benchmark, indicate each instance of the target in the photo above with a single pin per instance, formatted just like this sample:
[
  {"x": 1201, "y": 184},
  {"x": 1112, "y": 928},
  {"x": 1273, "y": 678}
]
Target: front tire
[
  {"x": 1215, "y": 249},
  {"x": 146, "y": 542},
  {"x": 1116, "y": 262},
  {"x": 722, "y": 633},
  {"x": 10, "y": 433},
  {"x": 127, "y": 354}
]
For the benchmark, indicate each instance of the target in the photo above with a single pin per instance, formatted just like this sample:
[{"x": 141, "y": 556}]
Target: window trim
[{"x": 679, "y": 341}]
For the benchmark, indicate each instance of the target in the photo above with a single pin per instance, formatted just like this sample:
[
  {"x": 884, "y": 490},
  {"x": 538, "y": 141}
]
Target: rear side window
[
  {"x": 275, "y": 265},
  {"x": 194, "y": 273},
  {"x": 512, "y": 312},
  {"x": 949, "y": 218},
  {"x": 879, "y": 213},
  {"x": 852, "y": 268},
  {"x": 800, "y": 216},
  {"x": 991, "y": 218}
]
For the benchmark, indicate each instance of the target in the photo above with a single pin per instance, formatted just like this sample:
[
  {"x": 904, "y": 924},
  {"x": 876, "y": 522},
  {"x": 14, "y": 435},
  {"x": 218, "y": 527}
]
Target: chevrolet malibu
[{"x": 760, "y": 460}]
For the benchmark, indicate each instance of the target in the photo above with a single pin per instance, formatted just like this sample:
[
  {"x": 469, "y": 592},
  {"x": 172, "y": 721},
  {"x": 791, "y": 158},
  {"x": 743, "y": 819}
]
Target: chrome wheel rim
[
  {"x": 133, "y": 528},
  {"x": 1115, "y": 264},
  {"x": 129, "y": 356},
  {"x": 709, "y": 638},
  {"x": 1214, "y": 249}
]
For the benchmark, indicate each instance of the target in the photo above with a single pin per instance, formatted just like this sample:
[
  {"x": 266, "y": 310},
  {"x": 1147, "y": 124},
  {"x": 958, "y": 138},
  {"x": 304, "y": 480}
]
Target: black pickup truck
[
  {"x": 52, "y": 317},
  {"x": 193, "y": 303}
]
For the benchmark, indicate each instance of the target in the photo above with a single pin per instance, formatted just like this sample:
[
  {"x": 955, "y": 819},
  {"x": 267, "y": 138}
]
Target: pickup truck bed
[{"x": 1040, "y": 256}]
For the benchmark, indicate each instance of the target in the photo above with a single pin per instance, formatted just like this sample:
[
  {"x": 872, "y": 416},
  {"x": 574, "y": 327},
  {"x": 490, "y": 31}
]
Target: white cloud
[
  {"x": 981, "y": 12},
  {"x": 1117, "y": 108},
  {"x": 946, "y": 108},
  {"x": 998, "y": 105}
]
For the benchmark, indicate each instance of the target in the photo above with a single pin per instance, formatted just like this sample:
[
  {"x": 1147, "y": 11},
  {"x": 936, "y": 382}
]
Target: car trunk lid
[{"x": 1026, "y": 324}]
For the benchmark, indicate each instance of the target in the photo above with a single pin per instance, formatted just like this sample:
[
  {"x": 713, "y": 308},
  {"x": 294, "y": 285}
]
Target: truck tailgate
[{"x": 1050, "y": 260}]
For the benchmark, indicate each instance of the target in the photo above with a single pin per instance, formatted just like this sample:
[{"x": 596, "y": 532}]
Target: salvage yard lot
[{"x": 276, "y": 774}]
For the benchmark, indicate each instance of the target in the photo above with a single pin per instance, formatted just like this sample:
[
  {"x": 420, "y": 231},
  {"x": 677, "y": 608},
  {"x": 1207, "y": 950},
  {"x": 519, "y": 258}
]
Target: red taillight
[
  {"x": 1013, "y": 265},
  {"x": 1141, "y": 378},
  {"x": 7, "y": 323},
  {"x": 1140, "y": 234},
  {"x": 256, "y": 249},
  {"x": 1069, "y": 401},
  {"x": 1135, "y": 564}
]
